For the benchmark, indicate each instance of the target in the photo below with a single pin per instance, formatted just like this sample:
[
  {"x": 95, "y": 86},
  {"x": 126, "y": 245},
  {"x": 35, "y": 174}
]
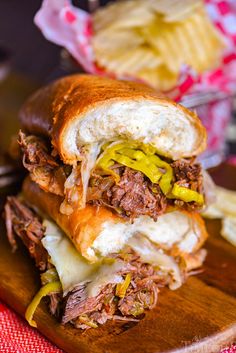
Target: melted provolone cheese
[
  {"x": 71, "y": 267},
  {"x": 88, "y": 163},
  {"x": 106, "y": 274}
]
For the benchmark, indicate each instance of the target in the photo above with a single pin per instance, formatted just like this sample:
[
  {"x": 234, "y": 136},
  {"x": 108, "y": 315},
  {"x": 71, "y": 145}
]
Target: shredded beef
[
  {"x": 134, "y": 195},
  {"x": 54, "y": 303},
  {"x": 188, "y": 174},
  {"x": 44, "y": 169},
  {"x": 36, "y": 151},
  {"x": 78, "y": 303},
  {"x": 141, "y": 294},
  {"x": 23, "y": 221}
]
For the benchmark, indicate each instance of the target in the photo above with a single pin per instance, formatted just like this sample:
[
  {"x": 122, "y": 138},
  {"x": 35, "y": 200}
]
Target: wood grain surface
[{"x": 198, "y": 317}]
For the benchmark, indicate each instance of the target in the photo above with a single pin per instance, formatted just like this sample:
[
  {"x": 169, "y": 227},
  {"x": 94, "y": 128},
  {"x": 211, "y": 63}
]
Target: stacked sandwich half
[{"x": 109, "y": 210}]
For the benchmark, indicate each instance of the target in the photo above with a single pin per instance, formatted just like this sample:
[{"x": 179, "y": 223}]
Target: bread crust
[
  {"x": 53, "y": 108},
  {"x": 82, "y": 226}
]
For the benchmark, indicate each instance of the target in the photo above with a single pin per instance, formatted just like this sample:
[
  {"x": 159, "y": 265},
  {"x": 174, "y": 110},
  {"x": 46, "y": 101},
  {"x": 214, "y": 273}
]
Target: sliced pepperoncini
[
  {"x": 142, "y": 165},
  {"x": 187, "y": 195},
  {"x": 52, "y": 287},
  {"x": 121, "y": 288},
  {"x": 136, "y": 156},
  {"x": 84, "y": 319},
  {"x": 166, "y": 180},
  {"x": 143, "y": 158}
]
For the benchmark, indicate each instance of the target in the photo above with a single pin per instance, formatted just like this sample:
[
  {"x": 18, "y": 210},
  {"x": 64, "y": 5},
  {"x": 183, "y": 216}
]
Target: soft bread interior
[
  {"x": 185, "y": 232},
  {"x": 162, "y": 125}
]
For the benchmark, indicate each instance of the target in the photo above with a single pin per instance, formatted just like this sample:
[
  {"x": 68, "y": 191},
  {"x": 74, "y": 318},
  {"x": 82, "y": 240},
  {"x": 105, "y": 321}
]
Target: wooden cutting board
[{"x": 198, "y": 317}]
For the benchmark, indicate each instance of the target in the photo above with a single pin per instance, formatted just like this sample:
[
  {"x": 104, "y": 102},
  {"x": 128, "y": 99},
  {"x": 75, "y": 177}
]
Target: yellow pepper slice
[
  {"x": 86, "y": 321},
  {"x": 139, "y": 157},
  {"x": 187, "y": 195},
  {"x": 106, "y": 160},
  {"x": 45, "y": 290},
  {"x": 134, "y": 155},
  {"x": 143, "y": 157},
  {"x": 105, "y": 164},
  {"x": 143, "y": 165},
  {"x": 166, "y": 180},
  {"x": 121, "y": 288}
]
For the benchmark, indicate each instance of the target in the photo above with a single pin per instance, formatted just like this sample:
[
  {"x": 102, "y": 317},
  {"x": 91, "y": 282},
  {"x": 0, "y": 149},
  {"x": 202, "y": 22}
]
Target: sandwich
[{"x": 109, "y": 210}]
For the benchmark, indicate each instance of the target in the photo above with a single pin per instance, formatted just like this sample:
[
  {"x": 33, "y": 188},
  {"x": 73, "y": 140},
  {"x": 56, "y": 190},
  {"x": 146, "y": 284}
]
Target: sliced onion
[
  {"x": 87, "y": 165},
  {"x": 76, "y": 185}
]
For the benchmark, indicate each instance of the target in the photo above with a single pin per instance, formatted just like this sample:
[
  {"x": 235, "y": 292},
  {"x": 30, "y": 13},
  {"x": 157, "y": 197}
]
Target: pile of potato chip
[
  {"x": 224, "y": 208},
  {"x": 152, "y": 39}
]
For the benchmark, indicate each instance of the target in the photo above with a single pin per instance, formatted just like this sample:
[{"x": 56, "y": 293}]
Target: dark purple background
[{"x": 30, "y": 52}]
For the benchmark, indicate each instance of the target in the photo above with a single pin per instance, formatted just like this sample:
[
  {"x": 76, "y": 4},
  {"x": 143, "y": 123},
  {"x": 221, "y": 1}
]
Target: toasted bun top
[
  {"x": 97, "y": 229},
  {"x": 80, "y": 110}
]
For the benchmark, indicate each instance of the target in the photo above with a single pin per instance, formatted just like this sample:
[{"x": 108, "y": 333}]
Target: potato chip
[
  {"x": 159, "y": 77},
  {"x": 225, "y": 205},
  {"x": 228, "y": 230},
  {"x": 205, "y": 49},
  {"x": 160, "y": 37},
  {"x": 123, "y": 14},
  {"x": 152, "y": 39},
  {"x": 130, "y": 62},
  {"x": 175, "y": 10},
  {"x": 226, "y": 201},
  {"x": 225, "y": 209},
  {"x": 108, "y": 41},
  {"x": 212, "y": 212},
  {"x": 186, "y": 42}
]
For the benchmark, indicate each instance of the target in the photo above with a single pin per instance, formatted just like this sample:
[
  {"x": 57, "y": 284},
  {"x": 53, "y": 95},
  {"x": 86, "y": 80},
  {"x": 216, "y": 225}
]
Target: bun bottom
[{"x": 96, "y": 229}]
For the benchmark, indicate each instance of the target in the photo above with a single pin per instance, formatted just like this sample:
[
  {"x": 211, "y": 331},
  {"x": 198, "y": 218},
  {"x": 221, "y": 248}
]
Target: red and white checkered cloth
[
  {"x": 16, "y": 336},
  {"x": 71, "y": 28}
]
